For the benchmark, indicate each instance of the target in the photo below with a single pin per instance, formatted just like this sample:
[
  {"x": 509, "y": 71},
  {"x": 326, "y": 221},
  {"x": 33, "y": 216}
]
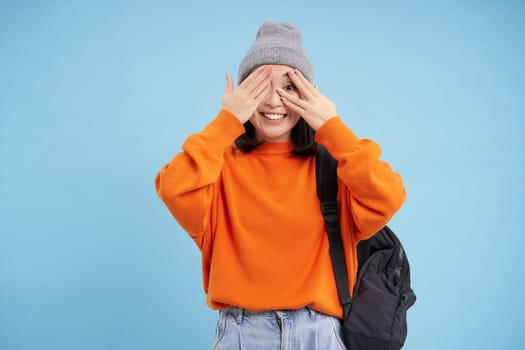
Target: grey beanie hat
[{"x": 276, "y": 43}]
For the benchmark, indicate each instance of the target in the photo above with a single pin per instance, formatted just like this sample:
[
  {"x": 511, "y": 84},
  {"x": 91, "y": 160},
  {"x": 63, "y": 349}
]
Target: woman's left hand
[{"x": 313, "y": 106}]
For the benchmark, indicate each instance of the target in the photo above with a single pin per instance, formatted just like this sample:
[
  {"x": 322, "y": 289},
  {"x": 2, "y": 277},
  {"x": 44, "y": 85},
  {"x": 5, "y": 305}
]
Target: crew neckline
[{"x": 276, "y": 147}]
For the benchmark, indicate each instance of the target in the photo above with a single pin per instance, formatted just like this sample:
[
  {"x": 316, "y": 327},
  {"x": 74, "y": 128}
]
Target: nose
[{"x": 273, "y": 99}]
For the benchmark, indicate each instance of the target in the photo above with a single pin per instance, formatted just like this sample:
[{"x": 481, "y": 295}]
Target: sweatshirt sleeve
[
  {"x": 187, "y": 185},
  {"x": 370, "y": 186}
]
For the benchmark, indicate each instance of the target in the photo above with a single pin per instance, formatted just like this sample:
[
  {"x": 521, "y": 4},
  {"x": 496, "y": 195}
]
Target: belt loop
[
  {"x": 311, "y": 312},
  {"x": 239, "y": 314}
]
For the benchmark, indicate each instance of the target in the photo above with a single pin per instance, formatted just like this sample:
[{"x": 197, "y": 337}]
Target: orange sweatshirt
[{"x": 256, "y": 217}]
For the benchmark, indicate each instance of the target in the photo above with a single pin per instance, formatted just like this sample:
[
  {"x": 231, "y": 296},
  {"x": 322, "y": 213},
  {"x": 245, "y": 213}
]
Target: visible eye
[{"x": 290, "y": 87}]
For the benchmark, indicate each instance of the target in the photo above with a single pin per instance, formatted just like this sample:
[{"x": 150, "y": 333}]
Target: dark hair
[{"x": 302, "y": 135}]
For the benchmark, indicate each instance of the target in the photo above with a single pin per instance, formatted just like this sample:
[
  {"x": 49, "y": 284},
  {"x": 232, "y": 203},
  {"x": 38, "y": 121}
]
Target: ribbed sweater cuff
[
  {"x": 223, "y": 130},
  {"x": 336, "y": 136}
]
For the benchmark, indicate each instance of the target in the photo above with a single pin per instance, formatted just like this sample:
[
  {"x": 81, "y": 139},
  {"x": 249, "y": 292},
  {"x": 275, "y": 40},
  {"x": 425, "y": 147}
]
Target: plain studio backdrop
[{"x": 96, "y": 96}]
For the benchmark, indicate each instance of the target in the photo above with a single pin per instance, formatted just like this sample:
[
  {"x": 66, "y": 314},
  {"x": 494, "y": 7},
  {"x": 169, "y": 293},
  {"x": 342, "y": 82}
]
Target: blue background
[{"x": 95, "y": 97}]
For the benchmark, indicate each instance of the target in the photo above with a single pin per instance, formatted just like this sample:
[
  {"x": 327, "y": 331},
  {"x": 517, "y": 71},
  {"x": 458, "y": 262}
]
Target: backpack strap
[{"x": 326, "y": 178}]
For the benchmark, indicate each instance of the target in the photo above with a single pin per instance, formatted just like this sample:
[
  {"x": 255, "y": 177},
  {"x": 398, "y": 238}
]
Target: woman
[{"x": 244, "y": 189}]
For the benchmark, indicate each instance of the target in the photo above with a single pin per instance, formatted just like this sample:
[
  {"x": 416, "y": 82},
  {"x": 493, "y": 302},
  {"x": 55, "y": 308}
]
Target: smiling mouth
[{"x": 274, "y": 116}]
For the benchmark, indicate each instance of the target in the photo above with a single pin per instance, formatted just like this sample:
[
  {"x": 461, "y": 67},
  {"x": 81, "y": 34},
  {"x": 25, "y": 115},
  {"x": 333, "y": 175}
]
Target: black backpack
[{"x": 374, "y": 317}]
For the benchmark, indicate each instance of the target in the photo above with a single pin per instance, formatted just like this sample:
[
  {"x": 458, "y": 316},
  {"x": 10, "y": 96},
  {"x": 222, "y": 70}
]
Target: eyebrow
[{"x": 286, "y": 77}]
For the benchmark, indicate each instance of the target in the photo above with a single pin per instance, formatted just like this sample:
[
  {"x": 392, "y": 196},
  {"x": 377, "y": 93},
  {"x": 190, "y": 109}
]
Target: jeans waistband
[{"x": 239, "y": 313}]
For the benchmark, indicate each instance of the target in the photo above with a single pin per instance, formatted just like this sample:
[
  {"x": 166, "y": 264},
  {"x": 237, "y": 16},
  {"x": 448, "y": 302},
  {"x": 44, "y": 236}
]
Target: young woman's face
[{"x": 273, "y": 122}]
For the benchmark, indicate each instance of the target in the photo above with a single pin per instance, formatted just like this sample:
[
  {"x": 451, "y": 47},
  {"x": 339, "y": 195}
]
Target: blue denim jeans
[{"x": 302, "y": 329}]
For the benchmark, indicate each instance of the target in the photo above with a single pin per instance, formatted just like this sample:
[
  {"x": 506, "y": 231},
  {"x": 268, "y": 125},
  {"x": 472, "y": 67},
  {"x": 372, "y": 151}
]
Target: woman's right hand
[{"x": 244, "y": 100}]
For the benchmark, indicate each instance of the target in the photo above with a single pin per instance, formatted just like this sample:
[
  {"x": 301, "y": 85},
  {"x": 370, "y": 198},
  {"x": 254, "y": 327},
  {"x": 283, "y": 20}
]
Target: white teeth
[{"x": 274, "y": 116}]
